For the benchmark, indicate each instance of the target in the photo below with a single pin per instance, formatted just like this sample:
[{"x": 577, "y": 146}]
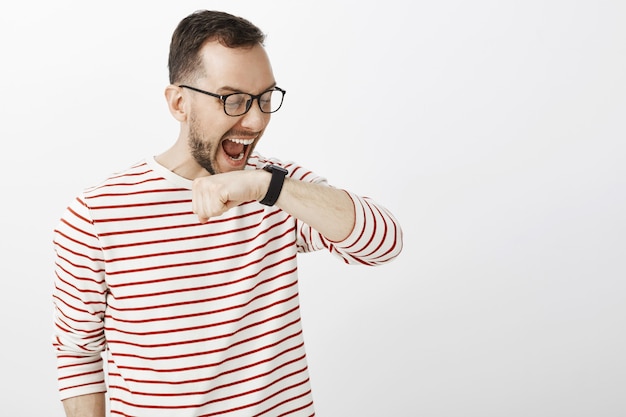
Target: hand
[{"x": 213, "y": 195}]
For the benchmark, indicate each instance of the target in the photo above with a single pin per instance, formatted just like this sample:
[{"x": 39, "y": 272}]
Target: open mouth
[{"x": 236, "y": 148}]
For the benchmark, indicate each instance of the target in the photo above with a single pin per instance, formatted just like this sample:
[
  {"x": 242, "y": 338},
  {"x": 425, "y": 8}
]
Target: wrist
[{"x": 263, "y": 183}]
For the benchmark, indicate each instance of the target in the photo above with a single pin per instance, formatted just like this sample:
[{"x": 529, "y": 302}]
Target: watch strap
[{"x": 276, "y": 184}]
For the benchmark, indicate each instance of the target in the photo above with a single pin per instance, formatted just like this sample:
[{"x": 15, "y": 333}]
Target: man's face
[{"x": 219, "y": 142}]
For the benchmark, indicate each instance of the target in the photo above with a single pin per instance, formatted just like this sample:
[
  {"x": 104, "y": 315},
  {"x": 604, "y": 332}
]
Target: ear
[{"x": 176, "y": 102}]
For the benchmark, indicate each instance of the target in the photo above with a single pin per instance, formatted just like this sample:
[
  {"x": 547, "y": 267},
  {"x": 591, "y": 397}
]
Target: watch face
[{"x": 271, "y": 168}]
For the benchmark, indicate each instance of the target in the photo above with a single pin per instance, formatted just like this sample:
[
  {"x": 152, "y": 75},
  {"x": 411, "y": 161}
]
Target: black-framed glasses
[{"x": 237, "y": 104}]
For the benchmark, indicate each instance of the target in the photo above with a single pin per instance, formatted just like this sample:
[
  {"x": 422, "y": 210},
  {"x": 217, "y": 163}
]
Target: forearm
[
  {"x": 328, "y": 210},
  {"x": 89, "y": 405}
]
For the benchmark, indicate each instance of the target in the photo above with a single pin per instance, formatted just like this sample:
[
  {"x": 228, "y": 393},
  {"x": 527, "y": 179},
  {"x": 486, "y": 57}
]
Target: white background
[{"x": 494, "y": 130}]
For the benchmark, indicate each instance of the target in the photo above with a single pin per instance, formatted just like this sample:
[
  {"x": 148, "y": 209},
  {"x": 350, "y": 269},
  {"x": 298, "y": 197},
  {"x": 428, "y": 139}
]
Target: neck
[{"x": 179, "y": 161}]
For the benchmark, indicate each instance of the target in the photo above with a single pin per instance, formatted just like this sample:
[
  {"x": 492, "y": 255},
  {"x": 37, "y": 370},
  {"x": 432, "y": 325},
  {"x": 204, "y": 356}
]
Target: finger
[
  {"x": 198, "y": 202},
  {"x": 215, "y": 204}
]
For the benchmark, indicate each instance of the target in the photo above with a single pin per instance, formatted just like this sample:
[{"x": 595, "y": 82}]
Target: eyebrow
[{"x": 237, "y": 90}]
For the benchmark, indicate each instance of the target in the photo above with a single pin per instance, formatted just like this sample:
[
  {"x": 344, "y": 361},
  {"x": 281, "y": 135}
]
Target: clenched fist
[{"x": 213, "y": 195}]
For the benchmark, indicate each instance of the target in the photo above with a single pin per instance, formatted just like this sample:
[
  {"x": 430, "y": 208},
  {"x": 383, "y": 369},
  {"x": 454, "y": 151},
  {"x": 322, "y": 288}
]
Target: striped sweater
[{"x": 193, "y": 319}]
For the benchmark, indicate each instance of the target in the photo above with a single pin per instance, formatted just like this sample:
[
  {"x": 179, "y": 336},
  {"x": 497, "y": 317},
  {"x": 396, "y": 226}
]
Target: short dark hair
[{"x": 201, "y": 26}]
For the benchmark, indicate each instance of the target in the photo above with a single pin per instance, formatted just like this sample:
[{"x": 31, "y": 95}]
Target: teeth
[
  {"x": 242, "y": 141},
  {"x": 238, "y": 158}
]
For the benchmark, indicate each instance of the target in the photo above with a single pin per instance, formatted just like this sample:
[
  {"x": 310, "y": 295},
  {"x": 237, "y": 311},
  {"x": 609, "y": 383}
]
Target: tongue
[{"x": 232, "y": 149}]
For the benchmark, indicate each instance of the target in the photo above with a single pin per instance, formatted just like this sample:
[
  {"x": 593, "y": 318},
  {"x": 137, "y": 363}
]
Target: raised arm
[
  {"x": 356, "y": 228},
  {"x": 329, "y": 210}
]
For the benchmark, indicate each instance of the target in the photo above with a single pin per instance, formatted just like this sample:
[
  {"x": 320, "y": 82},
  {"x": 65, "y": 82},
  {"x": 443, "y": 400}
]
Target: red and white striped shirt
[{"x": 195, "y": 319}]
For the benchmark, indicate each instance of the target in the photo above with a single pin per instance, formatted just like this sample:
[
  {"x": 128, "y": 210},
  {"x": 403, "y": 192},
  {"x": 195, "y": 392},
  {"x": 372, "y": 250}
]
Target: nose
[{"x": 255, "y": 119}]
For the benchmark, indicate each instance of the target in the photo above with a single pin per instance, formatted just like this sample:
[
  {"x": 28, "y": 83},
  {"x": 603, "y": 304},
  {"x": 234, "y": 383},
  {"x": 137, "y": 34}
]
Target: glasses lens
[
  {"x": 270, "y": 101},
  {"x": 237, "y": 104}
]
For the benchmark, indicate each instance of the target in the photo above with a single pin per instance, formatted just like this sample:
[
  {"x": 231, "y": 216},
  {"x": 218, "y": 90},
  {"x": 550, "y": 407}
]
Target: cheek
[{"x": 210, "y": 127}]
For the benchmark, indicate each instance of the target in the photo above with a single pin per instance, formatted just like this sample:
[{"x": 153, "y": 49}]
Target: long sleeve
[
  {"x": 79, "y": 298},
  {"x": 375, "y": 239}
]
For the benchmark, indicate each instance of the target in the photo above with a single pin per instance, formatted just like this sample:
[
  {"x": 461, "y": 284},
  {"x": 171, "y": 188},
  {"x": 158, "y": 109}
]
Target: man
[{"x": 182, "y": 268}]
